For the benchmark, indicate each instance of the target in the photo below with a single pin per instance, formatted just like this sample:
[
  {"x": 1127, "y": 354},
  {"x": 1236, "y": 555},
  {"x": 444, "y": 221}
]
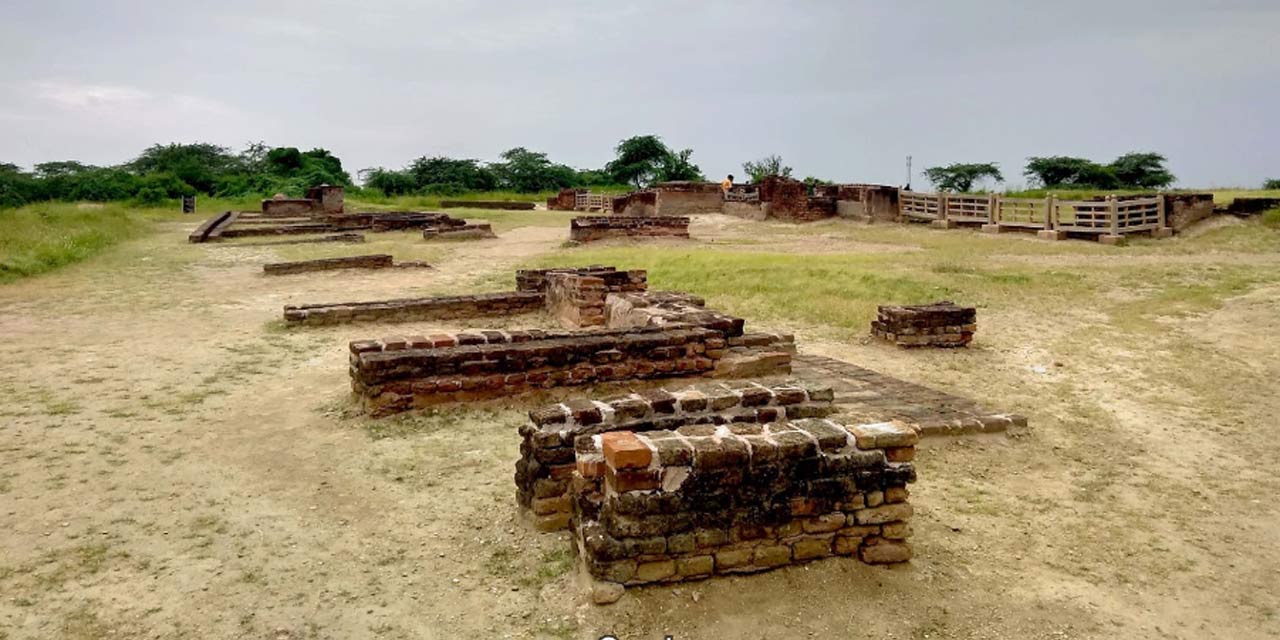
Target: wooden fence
[
  {"x": 1109, "y": 218},
  {"x": 587, "y": 201}
]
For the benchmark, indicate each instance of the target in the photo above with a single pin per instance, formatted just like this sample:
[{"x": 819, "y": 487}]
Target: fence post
[
  {"x": 1114, "y": 214},
  {"x": 991, "y": 207},
  {"x": 1160, "y": 212},
  {"x": 1050, "y": 212}
]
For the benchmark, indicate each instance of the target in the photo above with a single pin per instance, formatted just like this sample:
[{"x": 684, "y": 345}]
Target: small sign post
[{"x": 188, "y": 204}]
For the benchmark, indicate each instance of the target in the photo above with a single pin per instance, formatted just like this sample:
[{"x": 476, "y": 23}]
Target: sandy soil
[{"x": 174, "y": 463}]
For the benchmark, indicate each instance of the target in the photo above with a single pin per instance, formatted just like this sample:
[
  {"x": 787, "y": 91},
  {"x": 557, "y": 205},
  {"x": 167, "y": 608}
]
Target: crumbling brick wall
[
  {"x": 565, "y": 200},
  {"x": 660, "y": 308},
  {"x": 285, "y": 207},
  {"x": 547, "y": 450},
  {"x": 411, "y": 309},
  {"x": 391, "y": 380},
  {"x": 681, "y": 198},
  {"x": 703, "y": 500},
  {"x": 328, "y": 199},
  {"x": 591, "y": 228},
  {"x": 867, "y": 202},
  {"x": 940, "y": 324},
  {"x": 375, "y": 261},
  {"x": 576, "y": 300},
  {"x": 536, "y": 279},
  {"x": 636, "y": 203}
]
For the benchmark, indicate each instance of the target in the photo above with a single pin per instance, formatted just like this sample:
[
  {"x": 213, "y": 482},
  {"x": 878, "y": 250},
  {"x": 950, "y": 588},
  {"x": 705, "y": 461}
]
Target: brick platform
[
  {"x": 392, "y": 380},
  {"x": 941, "y": 324},
  {"x": 465, "y": 231},
  {"x": 547, "y": 455},
  {"x": 592, "y": 228},
  {"x": 374, "y": 261},
  {"x": 411, "y": 309},
  {"x": 703, "y": 500},
  {"x": 864, "y": 396},
  {"x": 614, "y": 280}
]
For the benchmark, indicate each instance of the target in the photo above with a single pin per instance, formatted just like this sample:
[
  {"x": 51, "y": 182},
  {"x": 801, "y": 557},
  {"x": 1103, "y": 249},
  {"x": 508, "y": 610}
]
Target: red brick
[{"x": 623, "y": 450}]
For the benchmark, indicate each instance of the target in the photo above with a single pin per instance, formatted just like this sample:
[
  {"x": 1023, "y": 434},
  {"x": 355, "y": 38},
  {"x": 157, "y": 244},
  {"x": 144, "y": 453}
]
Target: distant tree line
[
  {"x": 1129, "y": 171},
  {"x": 169, "y": 171},
  {"x": 639, "y": 161},
  {"x": 162, "y": 172}
]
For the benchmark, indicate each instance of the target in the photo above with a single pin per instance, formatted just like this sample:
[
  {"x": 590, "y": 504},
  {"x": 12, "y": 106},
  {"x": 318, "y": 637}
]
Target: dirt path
[{"x": 176, "y": 464}]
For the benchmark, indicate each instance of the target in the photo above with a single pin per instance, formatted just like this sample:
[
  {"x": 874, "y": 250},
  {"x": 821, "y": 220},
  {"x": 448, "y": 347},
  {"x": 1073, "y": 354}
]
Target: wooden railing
[
  {"x": 920, "y": 206},
  {"x": 1111, "y": 217},
  {"x": 587, "y": 201}
]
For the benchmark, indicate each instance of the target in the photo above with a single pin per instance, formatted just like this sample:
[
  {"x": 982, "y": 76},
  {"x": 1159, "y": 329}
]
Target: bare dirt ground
[{"x": 175, "y": 463}]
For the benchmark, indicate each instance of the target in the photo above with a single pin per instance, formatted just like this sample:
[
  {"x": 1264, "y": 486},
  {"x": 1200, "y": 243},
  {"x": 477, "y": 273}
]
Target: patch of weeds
[
  {"x": 84, "y": 623},
  {"x": 252, "y": 577},
  {"x": 554, "y": 563}
]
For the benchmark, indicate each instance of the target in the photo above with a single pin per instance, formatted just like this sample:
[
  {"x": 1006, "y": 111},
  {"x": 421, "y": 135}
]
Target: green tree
[
  {"x": 526, "y": 171},
  {"x": 1141, "y": 171},
  {"x": 639, "y": 160},
  {"x": 459, "y": 174},
  {"x": 678, "y": 166},
  {"x": 1066, "y": 171},
  {"x": 960, "y": 177},
  {"x": 1271, "y": 184},
  {"x": 199, "y": 165},
  {"x": 770, "y": 165}
]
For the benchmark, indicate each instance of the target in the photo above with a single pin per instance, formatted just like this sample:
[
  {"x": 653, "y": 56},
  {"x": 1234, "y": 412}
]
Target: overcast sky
[{"x": 842, "y": 90}]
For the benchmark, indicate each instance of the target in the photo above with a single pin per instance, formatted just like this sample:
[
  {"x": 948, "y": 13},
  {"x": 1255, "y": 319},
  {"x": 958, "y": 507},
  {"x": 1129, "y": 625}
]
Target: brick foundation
[
  {"x": 941, "y": 324},
  {"x": 636, "y": 203},
  {"x": 576, "y": 300},
  {"x": 513, "y": 205},
  {"x": 703, "y": 500},
  {"x": 411, "y": 309},
  {"x": 547, "y": 450},
  {"x": 592, "y": 228},
  {"x": 377, "y": 261},
  {"x": 465, "y": 231},
  {"x": 392, "y": 380},
  {"x": 536, "y": 279}
]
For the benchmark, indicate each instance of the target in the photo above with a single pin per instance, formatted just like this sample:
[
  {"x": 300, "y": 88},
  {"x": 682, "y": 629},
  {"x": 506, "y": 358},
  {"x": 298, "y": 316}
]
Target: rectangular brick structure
[
  {"x": 592, "y": 228},
  {"x": 576, "y": 300},
  {"x": 940, "y": 324},
  {"x": 467, "y": 367},
  {"x": 411, "y": 309},
  {"x": 373, "y": 261},
  {"x": 513, "y": 205},
  {"x": 703, "y": 500},
  {"x": 614, "y": 280},
  {"x": 465, "y": 231},
  {"x": 547, "y": 448}
]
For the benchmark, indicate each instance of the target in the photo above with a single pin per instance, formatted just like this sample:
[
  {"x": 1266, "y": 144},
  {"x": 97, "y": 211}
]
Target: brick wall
[
  {"x": 411, "y": 309},
  {"x": 636, "y": 203},
  {"x": 536, "y": 279},
  {"x": 576, "y": 300},
  {"x": 702, "y": 500},
  {"x": 488, "y": 204},
  {"x": 867, "y": 202},
  {"x": 547, "y": 450},
  {"x": 659, "y": 308},
  {"x": 388, "y": 381},
  {"x": 464, "y": 231},
  {"x": 289, "y": 207},
  {"x": 591, "y": 228},
  {"x": 688, "y": 198},
  {"x": 565, "y": 200},
  {"x": 376, "y": 261},
  {"x": 940, "y": 324}
]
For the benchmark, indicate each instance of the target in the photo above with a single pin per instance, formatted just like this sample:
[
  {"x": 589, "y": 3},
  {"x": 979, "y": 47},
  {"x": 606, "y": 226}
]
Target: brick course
[
  {"x": 940, "y": 324},
  {"x": 591, "y": 228}
]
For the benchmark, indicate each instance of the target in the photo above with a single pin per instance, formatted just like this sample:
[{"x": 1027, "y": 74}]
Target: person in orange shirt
[{"x": 727, "y": 184}]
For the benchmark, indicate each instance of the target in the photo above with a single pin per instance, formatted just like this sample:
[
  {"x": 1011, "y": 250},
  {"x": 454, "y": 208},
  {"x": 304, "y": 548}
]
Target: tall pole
[{"x": 908, "y": 171}]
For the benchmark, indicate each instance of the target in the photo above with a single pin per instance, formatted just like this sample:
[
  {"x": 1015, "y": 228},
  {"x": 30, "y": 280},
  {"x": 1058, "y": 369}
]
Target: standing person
[{"x": 727, "y": 184}]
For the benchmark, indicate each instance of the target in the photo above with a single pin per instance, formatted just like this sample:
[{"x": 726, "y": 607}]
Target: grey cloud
[{"x": 843, "y": 90}]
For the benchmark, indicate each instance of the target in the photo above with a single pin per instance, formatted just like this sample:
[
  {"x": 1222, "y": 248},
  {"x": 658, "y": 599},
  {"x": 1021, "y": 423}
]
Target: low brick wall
[
  {"x": 1185, "y": 209},
  {"x": 789, "y": 200},
  {"x": 546, "y": 462},
  {"x": 514, "y": 205},
  {"x": 688, "y": 198},
  {"x": 703, "y": 500},
  {"x": 591, "y": 228},
  {"x": 636, "y": 203},
  {"x": 211, "y": 230},
  {"x": 465, "y": 231},
  {"x": 867, "y": 202},
  {"x": 565, "y": 200},
  {"x": 941, "y": 324},
  {"x": 614, "y": 280},
  {"x": 289, "y": 207},
  {"x": 412, "y": 309},
  {"x": 661, "y": 308},
  {"x": 389, "y": 381},
  {"x": 375, "y": 261}
]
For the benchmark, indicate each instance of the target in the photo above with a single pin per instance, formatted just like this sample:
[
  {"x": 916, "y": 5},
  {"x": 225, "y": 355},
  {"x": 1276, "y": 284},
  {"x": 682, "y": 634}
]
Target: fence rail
[
  {"x": 586, "y": 201},
  {"x": 1109, "y": 218},
  {"x": 920, "y": 206}
]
